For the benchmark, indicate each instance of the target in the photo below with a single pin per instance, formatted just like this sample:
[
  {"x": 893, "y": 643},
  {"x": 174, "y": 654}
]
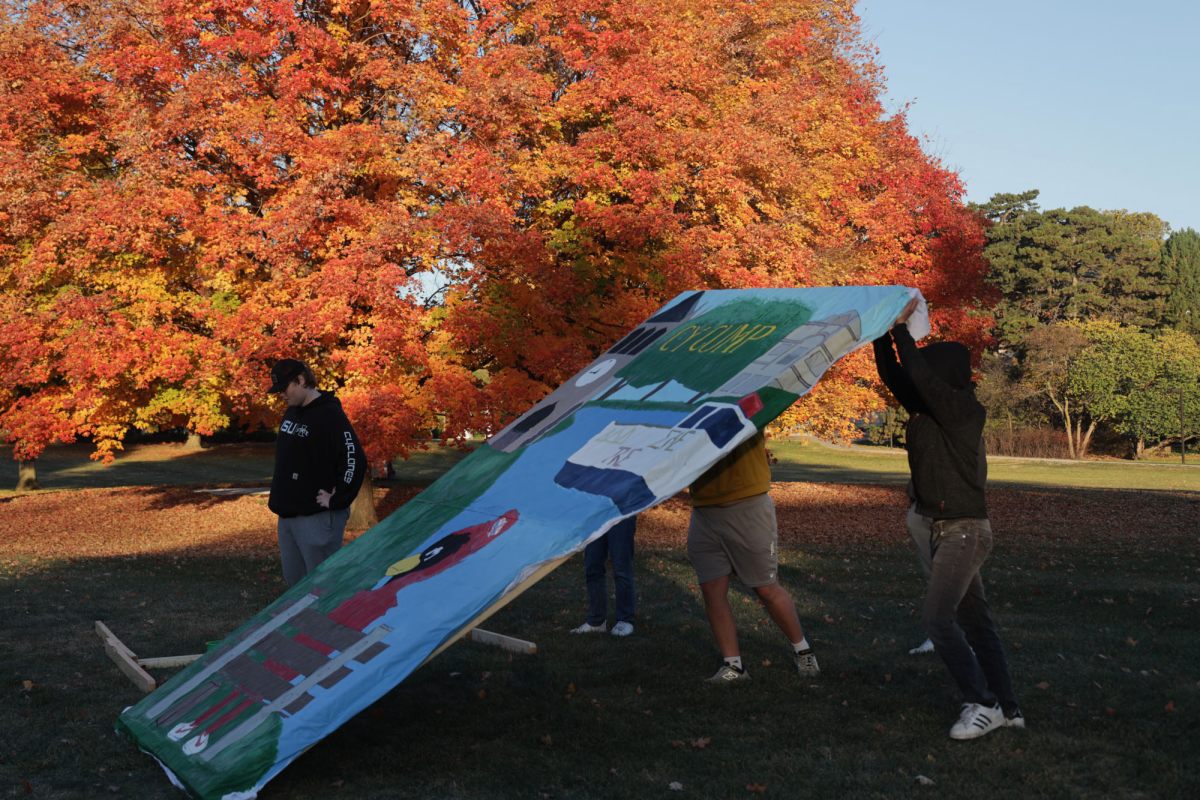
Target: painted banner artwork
[{"x": 634, "y": 428}]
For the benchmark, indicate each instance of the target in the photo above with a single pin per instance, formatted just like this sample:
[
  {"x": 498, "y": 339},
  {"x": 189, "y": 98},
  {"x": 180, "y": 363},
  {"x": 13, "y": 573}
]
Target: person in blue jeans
[
  {"x": 944, "y": 441},
  {"x": 617, "y": 544}
]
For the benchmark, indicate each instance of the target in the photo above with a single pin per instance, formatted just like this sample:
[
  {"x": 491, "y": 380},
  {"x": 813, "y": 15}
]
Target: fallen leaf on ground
[
  {"x": 1042, "y": 685},
  {"x": 547, "y": 740},
  {"x": 29, "y": 684},
  {"x": 1170, "y": 706},
  {"x": 921, "y": 779},
  {"x": 755, "y": 787},
  {"x": 675, "y": 785},
  {"x": 702, "y": 742}
]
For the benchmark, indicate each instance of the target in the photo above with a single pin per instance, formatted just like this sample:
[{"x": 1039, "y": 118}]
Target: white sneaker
[
  {"x": 727, "y": 674},
  {"x": 585, "y": 628},
  {"x": 622, "y": 629},
  {"x": 924, "y": 647},
  {"x": 976, "y": 720},
  {"x": 806, "y": 664}
]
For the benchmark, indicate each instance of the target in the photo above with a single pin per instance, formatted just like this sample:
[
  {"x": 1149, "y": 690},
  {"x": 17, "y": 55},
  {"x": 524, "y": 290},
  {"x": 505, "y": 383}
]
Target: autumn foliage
[{"x": 192, "y": 190}]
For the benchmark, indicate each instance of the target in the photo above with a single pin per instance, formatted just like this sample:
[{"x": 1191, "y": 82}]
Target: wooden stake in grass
[{"x": 133, "y": 666}]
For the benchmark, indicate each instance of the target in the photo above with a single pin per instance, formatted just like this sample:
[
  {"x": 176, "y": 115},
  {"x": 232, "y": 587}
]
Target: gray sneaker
[
  {"x": 727, "y": 674},
  {"x": 622, "y": 629},
  {"x": 925, "y": 647},
  {"x": 806, "y": 664},
  {"x": 585, "y": 628}
]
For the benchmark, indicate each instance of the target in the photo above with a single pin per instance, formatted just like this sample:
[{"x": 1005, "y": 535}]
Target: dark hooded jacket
[
  {"x": 945, "y": 429},
  {"x": 316, "y": 449}
]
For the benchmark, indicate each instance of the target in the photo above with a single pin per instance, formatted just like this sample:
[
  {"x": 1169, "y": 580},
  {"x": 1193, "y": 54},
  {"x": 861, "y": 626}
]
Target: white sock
[
  {"x": 801, "y": 645},
  {"x": 735, "y": 662}
]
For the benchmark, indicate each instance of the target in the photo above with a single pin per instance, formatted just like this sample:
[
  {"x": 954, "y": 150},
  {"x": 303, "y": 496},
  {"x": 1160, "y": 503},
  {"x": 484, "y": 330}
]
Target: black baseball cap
[{"x": 284, "y": 372}]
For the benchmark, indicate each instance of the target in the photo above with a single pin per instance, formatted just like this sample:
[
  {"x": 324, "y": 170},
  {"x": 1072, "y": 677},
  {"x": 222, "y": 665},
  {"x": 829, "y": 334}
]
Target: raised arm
[
  {"x": 949, "y": 406},
  {"x": 892, "y": 374}
]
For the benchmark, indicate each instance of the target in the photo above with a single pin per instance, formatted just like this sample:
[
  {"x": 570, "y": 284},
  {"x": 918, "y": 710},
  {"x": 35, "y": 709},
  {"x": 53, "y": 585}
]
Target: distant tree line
[{"x": 1096, "y": 329}]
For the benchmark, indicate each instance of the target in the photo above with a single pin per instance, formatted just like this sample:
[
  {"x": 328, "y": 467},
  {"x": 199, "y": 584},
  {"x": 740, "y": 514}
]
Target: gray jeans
[
  {"x": 956, "y": 613},
  {"x": 304, "y": 542}
]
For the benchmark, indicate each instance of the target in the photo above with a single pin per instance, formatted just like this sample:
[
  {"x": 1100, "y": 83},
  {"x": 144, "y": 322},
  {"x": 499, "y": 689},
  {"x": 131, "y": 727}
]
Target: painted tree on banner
[{"x": 193, "y": 190}]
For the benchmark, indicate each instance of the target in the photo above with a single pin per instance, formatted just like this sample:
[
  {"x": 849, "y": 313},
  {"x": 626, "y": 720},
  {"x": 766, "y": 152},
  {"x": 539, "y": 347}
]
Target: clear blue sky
[{"x": 1093, "y": 102}]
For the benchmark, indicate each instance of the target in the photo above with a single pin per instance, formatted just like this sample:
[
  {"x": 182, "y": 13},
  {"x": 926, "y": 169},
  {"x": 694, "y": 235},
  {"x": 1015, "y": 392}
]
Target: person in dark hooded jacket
[
  {"x": 319, "y": 468},
  {"x": 944, "y": 440}
]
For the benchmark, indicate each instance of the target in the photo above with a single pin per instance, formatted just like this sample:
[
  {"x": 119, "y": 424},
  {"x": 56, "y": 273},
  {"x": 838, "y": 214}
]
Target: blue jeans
[
  {"x": 956, "y": 614},
  {"x": 618, "y": 545}
]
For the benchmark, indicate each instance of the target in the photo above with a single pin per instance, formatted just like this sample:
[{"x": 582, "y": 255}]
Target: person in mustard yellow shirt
[{"x": 733, "y": 530}]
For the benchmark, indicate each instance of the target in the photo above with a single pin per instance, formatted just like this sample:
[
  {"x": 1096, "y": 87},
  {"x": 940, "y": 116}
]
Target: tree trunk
[
  {"x": 1139, "y": 449},
  {"x": 1065, "y": 410},
  {"x": 1084, "y": 439},
  {"x": 193, "y": 441},
  {"x": 27, "y": 475},
  {"x": 362, "y": 510}
]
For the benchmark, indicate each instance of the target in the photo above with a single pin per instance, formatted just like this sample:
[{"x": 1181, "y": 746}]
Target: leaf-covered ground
[{"x": 180, "y": 521}]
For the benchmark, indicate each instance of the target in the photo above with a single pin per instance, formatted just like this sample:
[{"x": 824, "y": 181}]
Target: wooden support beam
[
  {"x": 104, "y": 633},
  {"x": 124, "y": 658},
  {"x": 501, "y": 641},
  {"x": 168, "y": 661},
  {"x": 133, "y": 666}
]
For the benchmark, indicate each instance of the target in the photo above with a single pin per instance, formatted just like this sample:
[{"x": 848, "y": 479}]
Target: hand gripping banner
[{"x": 631, "y": 430}]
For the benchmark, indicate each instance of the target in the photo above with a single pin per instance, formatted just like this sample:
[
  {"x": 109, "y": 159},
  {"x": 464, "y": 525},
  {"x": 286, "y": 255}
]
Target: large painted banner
[{"x": 634, "y": 428}]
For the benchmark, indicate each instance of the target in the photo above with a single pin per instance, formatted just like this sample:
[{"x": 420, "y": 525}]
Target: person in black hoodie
[
  {"x": 319, "y": 467},
  {"x": 949, "y": 468}
]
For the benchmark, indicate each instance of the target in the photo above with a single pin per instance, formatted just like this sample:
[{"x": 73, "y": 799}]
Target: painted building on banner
[
  {"x": 798, "y": 360},
  {"x": 596, "y": 380}
]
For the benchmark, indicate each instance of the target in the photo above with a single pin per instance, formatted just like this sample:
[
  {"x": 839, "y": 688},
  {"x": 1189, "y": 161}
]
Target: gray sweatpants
[{"x": 304, "y": 542}]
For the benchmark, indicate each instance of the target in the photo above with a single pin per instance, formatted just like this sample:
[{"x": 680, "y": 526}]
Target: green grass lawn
[
  {"x": 597, "y": 716},
  {"x": 1102, "y": 644},
  {"x": 814, "y": 462},
  {"x": 68, "y": 467}
]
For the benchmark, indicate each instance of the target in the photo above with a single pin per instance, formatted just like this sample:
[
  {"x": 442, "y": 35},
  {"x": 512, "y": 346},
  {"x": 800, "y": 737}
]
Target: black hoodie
[
  {"x": 316, "y": 449},
  {"x": 944, "y": 436}
]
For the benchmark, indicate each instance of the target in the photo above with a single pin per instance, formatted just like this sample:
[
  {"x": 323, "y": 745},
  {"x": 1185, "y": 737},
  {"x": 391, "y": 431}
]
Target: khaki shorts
[{"x": 739, "y": 538}]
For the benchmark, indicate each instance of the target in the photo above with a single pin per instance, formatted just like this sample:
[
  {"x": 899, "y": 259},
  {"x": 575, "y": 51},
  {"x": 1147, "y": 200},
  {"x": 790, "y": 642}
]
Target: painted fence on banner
[{"x": 634, "y": 428}]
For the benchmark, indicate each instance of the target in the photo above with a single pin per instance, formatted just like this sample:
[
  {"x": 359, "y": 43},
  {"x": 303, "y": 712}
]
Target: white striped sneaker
[{"x": 976, "y": 720}]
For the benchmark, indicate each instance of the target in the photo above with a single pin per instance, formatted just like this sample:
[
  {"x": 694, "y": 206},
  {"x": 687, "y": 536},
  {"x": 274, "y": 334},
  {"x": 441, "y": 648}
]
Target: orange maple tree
[{"x": 195, "y": 189}]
